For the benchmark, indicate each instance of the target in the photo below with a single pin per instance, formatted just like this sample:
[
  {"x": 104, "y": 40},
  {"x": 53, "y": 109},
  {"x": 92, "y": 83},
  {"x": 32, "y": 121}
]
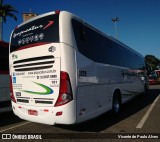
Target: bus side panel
[
  {"x": 86, "y": 103},
  {"x": 140, "y": 84},
  {"x": 107, "y": 76},
  {"x": 68, "y": 64},
  {"x": 103, "y": 99},
  {"x": 86, "y": 93}
]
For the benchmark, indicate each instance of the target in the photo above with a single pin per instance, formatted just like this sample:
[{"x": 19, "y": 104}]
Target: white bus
[
  {"x": 64, "y": 71},
  {"x": 5, "y": 101}
]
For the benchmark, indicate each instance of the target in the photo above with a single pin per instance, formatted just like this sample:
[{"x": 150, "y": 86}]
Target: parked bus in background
[
  {"x": 154, "y": 77},
  {"x": 65, "y": 71},
  {"x": 158, "y": 73},
  {"x": 5, "y": 102}
]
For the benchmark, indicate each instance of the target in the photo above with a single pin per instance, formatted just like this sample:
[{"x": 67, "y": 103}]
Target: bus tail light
[
  {"x": 11, "y": 91},
  {"x": 65, "y": 91}
]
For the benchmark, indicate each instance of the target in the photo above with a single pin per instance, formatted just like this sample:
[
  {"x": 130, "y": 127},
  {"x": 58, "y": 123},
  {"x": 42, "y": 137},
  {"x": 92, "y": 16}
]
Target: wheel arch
[{"x": 117, "y": 91}]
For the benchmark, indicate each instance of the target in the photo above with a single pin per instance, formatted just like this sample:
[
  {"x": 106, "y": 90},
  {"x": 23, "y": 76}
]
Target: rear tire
[{"x": 116, "y": 106}]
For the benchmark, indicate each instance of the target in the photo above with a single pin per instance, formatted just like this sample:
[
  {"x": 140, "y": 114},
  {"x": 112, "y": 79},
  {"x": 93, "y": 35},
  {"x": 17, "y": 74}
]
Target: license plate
[{"x": 32, "y": 112}]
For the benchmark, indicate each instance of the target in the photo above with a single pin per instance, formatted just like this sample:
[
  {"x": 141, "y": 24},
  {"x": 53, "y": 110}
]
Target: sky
[{"x": 139, "y": 25}]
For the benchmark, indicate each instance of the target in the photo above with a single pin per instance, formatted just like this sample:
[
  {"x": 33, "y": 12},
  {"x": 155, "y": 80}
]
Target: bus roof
[
  {"x": 37, "y": 17},
  {"x": 85, "y": 23}
]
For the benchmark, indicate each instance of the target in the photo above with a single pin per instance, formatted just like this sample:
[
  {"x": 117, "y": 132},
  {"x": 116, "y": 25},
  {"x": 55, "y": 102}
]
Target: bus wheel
[{"x": 116, "y": 103}]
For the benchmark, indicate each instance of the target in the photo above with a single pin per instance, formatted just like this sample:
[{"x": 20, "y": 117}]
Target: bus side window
[{"x": 82, "y": 33}]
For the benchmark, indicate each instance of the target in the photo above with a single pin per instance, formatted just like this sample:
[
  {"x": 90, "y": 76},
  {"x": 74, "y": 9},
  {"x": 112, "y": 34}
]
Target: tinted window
[
  {"x": 45, "y": 29},
  {"x": 100, "y": 49}
]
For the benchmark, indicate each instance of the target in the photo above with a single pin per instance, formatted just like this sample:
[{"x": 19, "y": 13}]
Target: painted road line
[
  {"x": 14, "y": 127},
  {"x": 141, "y": 123}
]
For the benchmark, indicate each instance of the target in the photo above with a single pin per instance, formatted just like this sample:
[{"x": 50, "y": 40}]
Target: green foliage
[
  {"x": 7, "y": 10},
  {"x": 152, "y": 61}
]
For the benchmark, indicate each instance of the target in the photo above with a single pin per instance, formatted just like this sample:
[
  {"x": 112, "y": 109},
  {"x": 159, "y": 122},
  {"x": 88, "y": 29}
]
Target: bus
[
  {"x": 158, "y": 73},
  {"x": 65, "y": 71},
  {"x": 5, "y": 101}
]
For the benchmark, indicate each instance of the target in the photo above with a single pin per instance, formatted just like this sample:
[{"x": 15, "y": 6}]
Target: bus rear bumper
[{"x": 47, "y": 115}]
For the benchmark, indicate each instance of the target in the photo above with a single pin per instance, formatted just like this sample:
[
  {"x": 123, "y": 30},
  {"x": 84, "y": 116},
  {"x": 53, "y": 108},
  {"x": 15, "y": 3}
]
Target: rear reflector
[
  {"x": 59, "y": 113},
  {"x": 46, "y": 110}
]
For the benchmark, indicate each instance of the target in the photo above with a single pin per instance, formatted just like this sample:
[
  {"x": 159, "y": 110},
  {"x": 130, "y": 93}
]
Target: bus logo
[
  {"x": 47, "y": 91},
  {"x": 48, "y": 25},
  {"x": 51, "y": 49}
]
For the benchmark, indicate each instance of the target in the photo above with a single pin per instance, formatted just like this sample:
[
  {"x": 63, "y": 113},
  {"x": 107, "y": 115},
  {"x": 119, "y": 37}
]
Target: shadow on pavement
[{"x": 8, "y": 118}]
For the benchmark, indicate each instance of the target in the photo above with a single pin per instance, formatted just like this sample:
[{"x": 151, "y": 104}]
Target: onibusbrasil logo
[{"x": 47, "y": 91}]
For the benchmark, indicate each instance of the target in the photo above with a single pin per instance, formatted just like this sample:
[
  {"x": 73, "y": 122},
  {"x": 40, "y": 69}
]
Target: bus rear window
[{"x": 42, "y": 30}]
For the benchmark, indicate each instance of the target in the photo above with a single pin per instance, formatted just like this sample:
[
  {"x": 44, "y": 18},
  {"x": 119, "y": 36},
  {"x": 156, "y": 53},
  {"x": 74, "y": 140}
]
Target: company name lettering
[
  {"x": 42, "y": 72},
  {"x": 20, "y": 73},
  {"x": 27, "y": 30}
]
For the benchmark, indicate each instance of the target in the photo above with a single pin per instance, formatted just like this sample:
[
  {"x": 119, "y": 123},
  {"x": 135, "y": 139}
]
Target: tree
[
  {"x": 5, "y": 11},
  {"x": 152, "y": 61}
]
